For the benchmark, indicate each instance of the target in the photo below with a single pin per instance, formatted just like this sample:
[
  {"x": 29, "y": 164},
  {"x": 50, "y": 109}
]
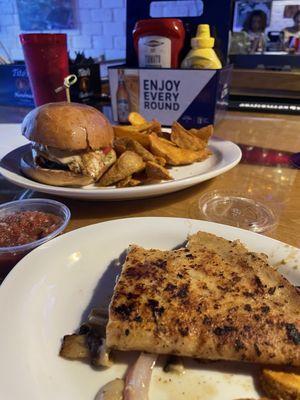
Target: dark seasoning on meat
[{"x": 213, "y": 300}]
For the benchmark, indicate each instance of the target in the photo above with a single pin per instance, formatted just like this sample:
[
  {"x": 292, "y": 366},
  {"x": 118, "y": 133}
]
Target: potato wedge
[
  {"x": 136, "y": 119},
  {"x": 120, "y": 145},
  {"x": 155, "y": 126},
  {"x": 156, "y": 171},
  {"x": 132, "y": 132},
  {"x": 168, "y": 142},
  {"x": 186, "y": 140},
  {"x": 123, "y": 144},
  {"x": 280, "y": 385},
  {"x": 203, "y": 133},
  {"x": 128, "y": 164},
  {"x": 173, "y": 154},
  {"x": 163, "y": 134},
  {"x": 150, "y": 181},
  {"x": 160, "y": 160},
  {"x": 140, "y": 150},
  {"x": 128, "y": 182}
]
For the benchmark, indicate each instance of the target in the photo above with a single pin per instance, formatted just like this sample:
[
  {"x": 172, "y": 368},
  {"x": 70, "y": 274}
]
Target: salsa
[{"x": 26, "y": 227}]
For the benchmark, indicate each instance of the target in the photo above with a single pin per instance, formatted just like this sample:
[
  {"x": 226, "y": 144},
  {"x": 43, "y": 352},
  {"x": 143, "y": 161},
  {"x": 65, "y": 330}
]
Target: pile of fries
[{"x": 145, "y": 151}]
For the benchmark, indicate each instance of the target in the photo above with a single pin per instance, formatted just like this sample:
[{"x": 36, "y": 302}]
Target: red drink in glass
[{"x": 47, "y": 64}]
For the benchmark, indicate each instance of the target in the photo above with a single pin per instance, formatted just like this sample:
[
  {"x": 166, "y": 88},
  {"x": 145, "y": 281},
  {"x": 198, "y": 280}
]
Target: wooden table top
[{"x": 277, "y": 187}]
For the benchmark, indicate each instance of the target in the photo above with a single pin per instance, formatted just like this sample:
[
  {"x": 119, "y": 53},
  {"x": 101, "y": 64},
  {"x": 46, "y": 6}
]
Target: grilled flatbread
[{"x": 214, "y": 300}]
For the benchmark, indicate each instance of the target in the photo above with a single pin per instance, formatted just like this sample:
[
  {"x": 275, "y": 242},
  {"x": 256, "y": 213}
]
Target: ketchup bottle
[{"x": 158, "y": 42}]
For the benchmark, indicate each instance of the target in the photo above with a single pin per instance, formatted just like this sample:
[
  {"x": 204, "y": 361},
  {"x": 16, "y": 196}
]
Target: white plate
[
  {"x": 50, "y": 290},
  {"x": 10, "y": 138},
  {"x": 225, "y": 156}
]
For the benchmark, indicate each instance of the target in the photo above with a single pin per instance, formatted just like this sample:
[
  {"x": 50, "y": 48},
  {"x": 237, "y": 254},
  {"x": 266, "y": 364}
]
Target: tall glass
[{"x": 47, "y": 65}]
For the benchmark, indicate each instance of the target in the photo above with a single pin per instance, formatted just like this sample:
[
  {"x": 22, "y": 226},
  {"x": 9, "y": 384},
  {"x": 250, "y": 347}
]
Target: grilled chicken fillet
[
  {"x": 213, "y": 300},
  {"x": 93, "y": 163}
]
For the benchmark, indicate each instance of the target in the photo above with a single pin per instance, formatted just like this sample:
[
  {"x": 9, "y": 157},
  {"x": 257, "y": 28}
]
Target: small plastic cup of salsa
[{"x": 25, "y": 225}]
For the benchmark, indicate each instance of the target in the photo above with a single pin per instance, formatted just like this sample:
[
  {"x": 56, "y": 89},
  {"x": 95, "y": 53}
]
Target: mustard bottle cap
[
  {"x": 203, "y": 38},
  {"x": 203, "y": 30}
]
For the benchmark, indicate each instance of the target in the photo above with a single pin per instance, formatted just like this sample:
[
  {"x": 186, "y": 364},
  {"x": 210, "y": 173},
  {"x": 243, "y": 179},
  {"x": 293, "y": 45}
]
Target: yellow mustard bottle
[{"x": 202, "y": 54}]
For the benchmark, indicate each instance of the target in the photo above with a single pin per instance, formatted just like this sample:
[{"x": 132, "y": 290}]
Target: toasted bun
[
  {"x": 52, "y": 177},
  {"x": 68, "y": 126}
]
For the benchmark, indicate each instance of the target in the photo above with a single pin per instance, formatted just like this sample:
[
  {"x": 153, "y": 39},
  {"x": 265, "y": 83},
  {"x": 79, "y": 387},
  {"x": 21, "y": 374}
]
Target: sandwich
[{"x": 71, "y": 144}]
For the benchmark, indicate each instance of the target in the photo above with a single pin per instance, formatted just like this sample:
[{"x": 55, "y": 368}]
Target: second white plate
[
  {"x": 54, "y": 287},
  {"x": 225, "y": 156}
]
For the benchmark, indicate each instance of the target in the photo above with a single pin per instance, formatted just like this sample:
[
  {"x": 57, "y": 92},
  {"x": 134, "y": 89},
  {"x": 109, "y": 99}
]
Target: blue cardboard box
[
  {"x": 195, "y": 98},
  {"x": 14, "y": 86}
]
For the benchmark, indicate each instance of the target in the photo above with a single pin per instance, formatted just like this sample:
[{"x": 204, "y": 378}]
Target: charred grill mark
[
  {"x": 124, "y": 310},
  {"x": 190, "y": 256},
  {"x": 239, "y": 345},
  {"x": 269, "y": 321},
  {"x": 236, "y": 278},
  {"x": 153, "y": 303},
  {"x": 170, "y": 287},
  {"x": 224, "y": 330},
  {"x": 293, "y": 333},
  {"x": 160, "y": 263},
  {"x": 183, "y": 331},
  {"x": 139, "y": 287},
  {"x": 207, "y": 320},
  {"x": 135, "y": 272},
  {"x": 265, "y": 309},
  {"x": 258, "y": 284},
  {"x": 248, "y": 294},
  {"x": 183, "y": 291},
  {"x": 156, "y": 310},
  {"x": 131, "y": 296},
  {"x": 271, "y": 290},
  {"x": 257, "y": 350}
]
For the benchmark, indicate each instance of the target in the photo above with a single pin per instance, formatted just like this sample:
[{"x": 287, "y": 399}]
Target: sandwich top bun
[{"x": 68, "y": 126}]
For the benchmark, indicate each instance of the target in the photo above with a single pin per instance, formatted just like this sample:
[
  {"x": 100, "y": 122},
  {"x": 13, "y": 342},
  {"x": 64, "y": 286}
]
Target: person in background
[
  {"x": 296, "y": 27},
  {"x": 292, "y": 34},
  {"x": 255, "y": 26}
]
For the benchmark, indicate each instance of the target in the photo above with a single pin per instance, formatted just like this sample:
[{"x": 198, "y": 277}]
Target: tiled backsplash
[{"x": 100, "y": 28}]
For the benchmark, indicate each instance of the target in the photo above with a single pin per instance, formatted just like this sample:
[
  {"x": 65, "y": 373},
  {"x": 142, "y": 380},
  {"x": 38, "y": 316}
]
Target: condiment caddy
[{"x": 155, "y": 80}]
